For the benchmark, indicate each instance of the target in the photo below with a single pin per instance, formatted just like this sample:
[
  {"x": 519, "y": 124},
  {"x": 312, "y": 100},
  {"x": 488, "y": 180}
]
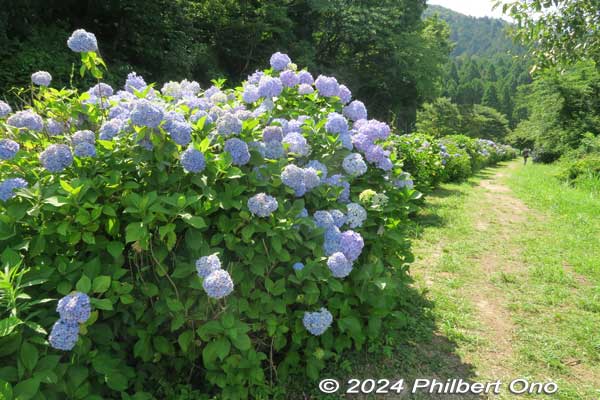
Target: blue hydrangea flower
[
  {"x": 323, "y": 219},
  {"x": 331, "y": 243},
  {"x": 119, "y": 112},
  {"x": 101, "y": 90},
  {"x": 195, "y": 117},
  {"x": 373, "y": 129},
  {"x": 229, "y": 124},
  {"x": 305, "y": 89},
  {"x": 317, "y": 322},
  {"x": 53, "y": 127},
  {"x": 305, "y": 78},
  {"x": 327, "y": 86},
  {"x": 41, "y": 78},
  {"x": 345, "y": 94},
  {"x": 298, "y": 266},
  {"x": 219, "y": 98},
  {"x": 311, "y": 178},
  {"x": 346, "y": 140},
  {"x": 377, "y": 155},
  {"x": 336, "y": 123},
  {"x": 4, "y": 109},
  {"x": 64, "y": 335},
  {"x": 181, "y": 133},
  {"x": 189, "y": 88},
  {"x": 238, "y": 150},
  {"x": 269, "y": 87},
  {"x": 272, "y": 150},
  {"x": 74, "y": 307},
  {"x": 8, "y": 187},
  {"x": 110, "y": 129},
  {"x": 193, "y": 161},
  {"x": 251, "y": 94},
  {"x": 351, "y": 244},
  {"x": 8, "y": 149},
  {"x": 303, "y": 213},
  {"x": 82, "y": 41},
  {"x": 319, "y": 167},
  {"x": 26, "y": 119},
  {"x": 362, "y": 142},
  {"x": 354, "y": 165},
  {"x": 296, "y": 144},
  {"x": 356, "y": 215},
  {"x": 338, "y": 180},
  {"x": 339, "y": 265},
  {"x": 339, "y": 219},
  {"x": 288, "y": 78},
  {"x": 404, "y": 183},
  {"x": 272, "y": 133},
  {"x": 56, "y": 157},
  {"x": 146, "y": 144},
  {"x": 280, "y": 61},
  {"x": 262, "y": 205},
  {"x": 255, "y": 77},
  {"x": 85, "y": 136},
  {"x": 218, "y": 284},
  {"x": 172, "y": 89},
  {"x": 84, "y": 150},
  {"x": 207, "y": 265},
  {"x": 293, "y": 177},
  {"x": 355, "y": 111},
  {"x": 293, "y": 125},
  {"x": 145, "y": 113},
  {"x": 135, "y": 82}
]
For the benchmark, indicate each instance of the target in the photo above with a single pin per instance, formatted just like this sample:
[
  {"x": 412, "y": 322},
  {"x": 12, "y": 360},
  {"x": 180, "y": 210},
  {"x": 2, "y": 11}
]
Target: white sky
[{"x": 475, "y": 8}]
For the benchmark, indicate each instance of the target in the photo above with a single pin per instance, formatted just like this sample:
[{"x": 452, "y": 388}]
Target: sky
[{"x": 475, "y": 8}]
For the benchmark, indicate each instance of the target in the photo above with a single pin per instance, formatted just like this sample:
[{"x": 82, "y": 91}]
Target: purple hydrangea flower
[
  {"x": 355, "y": 111},
  {"x": 41, "y": 78},
  {"x": 317, "y": 322},
  {"x": 269, "y": 87},
  {"x": 101, "y": 90},
  {"x": 293, "y": 177},
  {"x": 82, "y": 41},
  {"x": 336, "y": 123},
  {"x": 298, "y": 266},
  {"x": 74, "y": 307},
  {"x": 327, "y": 86},
  {"x": 288, "y": 78},
  {"x": 296, "y": 144},
  {"x": 272, "y": 150},
  {"x": 305, "y": 78},
  {"x": 193, "y": 161},
  {"x": 255, "y": 77},
  {"x": 4, "y": 109},
  {"x": 339, "y": 219},
  {"x": 56, "y": 157},
  {"x": 84, "y": 150},
  {"x": 218, "y": 284},
  {"x": 319, "y": 167},
  {"x": 145, "y": 113},
  {"x": 345, "y": 94},
  {"x": 53, "y": 127},
  {"x": 331, "y": 243},
  {"x": 351, "y": 245},
  {"x": 311, "y": 178},
  {"x": 229, "y": 124},
  {"x": 8, "y": 149},
  {"x": 110, "y": 129},
  {"x": 356, "y": 215},
  {"x": 26, "y": 119},
  {"x": 64, "y": 335},
  {"x": 346, "y": 140},
  {"x": 280, "y": 61},
  {"x": 323, "y": 219},
  {"x": 262, "y": 205},
  {"x": 195, "y": 117},
  {"x": 238, "y": 150},
  {"x": 8, "y": 187},
  {"x": 135, "y": 82},
  {"x": 305, "y": 89},
  {"x": 251, "y": 94},
  {"x": 272, "y": 133},
  {"x": 207, "y": 265},
  {"x": 354, "y": 165},
  {"x": 180, "y": 132},
  {"x": 339, "y": 265},
  {"x": 85, "y": 136}
]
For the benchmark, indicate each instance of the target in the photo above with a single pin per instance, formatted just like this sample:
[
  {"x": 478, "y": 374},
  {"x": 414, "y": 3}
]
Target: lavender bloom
[
  {"x": 293, "y": 177},
  {"x": 207, "y": 265},
  {"x": 262, "y": 205},
  {"x": 84, "y": 150},
  {"x": 54, "y": 127},
  {"x": 64, "y": 335},
  {"x": 305, "y": 89},
  {"x": 193, "y": 161},
  {"x": 319, "y": 167},
  {"x": 238, "y": 150},
  {"x": 338, "y": 180},
  {"x": 218, "y": 284},
  {"x": 355, "y": 111},
  {"x": 331, "y": 244},
  {"x": 251, "y": 94},
  {"x": 181, "y": 133},
  {"x": 255, "y": 77},
  {"x": 26, "y": 119},
  {"x": 4, "y": 109},
  {"x": 323, "y": 219},
  {"x": 172, "y": 89},
  {"x": 135, "y": 82},
  {"x": 327, "y": 86},
  {"x": 336, "y": 123},
  {"x": 229, "y": 124},
  {"x": 297, "y": 144},
  {"x": 272, "y": 150},
  {"x": 195, "y": 117},
  {"x": 317, "y": 322},
  {"x": 85, "y": 136},
  {"x": 305, "y": 78},
  {"x": 74, "y": 307},
  {"x": 280, "y": 61},
  {"x": 269, "y": 87},
  {"x": 354, "y": 165},
  {"x": 339, "y": 219},
  {"x": 41, "y": 78},
  {"x": 56, "y": 157},
  {"x": 311, "y": 178},
  {"x": 346, "y": 140},
  {"x": 345, "y": 94},
  {"x": 8, "y": 149},
  {"x": 339, "y": 265},
  {"x": 146, "y": 113},
  {"x": 110, "y": 129},
  {"x": 8, "y": 186},
  {"x": 82, "y": 41},
  {"x": 298, "y": 266},
  {"x": 288, "y": 78},
  {"x": 272, "y": 133},
  {"x": 101, "y": 90},
  {"x": 351, "y": 245},
  {"x": 356, "y": 215},
  {"x": 293, "y": 125}
]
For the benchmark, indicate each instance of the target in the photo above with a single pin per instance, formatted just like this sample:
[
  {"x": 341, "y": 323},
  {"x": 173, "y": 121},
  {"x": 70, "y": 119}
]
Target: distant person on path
[{"x": 525, "y": 153}]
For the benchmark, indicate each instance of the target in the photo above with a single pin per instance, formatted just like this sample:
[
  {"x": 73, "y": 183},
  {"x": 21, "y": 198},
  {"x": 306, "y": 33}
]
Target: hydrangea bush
[{"x": 194, "y": 240}]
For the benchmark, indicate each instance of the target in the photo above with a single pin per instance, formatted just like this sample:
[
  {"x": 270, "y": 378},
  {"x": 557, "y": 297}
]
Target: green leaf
[
  {"x": 185, "y": 339},
  {"x": 219, "y": 348},
  {"x": 116, "y": 381},
  {"x": 84, "y": 284},
  {"x": 135, "y": 231},
  {"x": 6, "y": 391},
  {"x": 209, "y": 329},
  {"x": 196, "y": 222},
  {"x": 102, "y": 304},
  {"x": 26, "y": 389},
  {"x": 115, "y": 249},
  {"x": 242, "y": 342},
  {"x": 8, "y": 325},
  {"x": 56, "y": 201},
  {"x": 29, "y": 355},
  {"x": 101, "y": 284},
  {"x": 162, "y": 345}
]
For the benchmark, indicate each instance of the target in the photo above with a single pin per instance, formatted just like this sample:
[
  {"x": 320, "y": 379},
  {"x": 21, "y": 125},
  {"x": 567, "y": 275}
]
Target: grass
[{"x": 506, "y": 284}]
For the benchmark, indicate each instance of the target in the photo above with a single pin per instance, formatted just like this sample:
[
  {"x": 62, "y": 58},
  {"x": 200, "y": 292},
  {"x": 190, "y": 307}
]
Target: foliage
[{"x": 439, "y": 118}]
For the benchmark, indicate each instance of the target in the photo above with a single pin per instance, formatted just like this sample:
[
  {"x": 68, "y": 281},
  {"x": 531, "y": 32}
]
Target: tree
[
  {"x": 490, "y": 97},
  {"x": 485, "y": 122},
  {"x": 439, "y": 118}
]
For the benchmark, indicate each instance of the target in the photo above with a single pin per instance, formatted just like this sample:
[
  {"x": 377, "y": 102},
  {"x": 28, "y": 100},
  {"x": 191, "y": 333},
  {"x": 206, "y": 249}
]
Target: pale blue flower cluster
[
  {"x": 327, "y": 86},
  {"x": 355, "y": 111},
  {"x": 218, "y": 284},
  {"x": 301, "y": 180},
  {"x": 228, "y": 124},
  {"x": 74, "y": 307},
  {"x": 193, "y": 161},
  {"x": 41, "y": 78},
  {"x": 269, "y": 87},
  {"x": 251, "y": 93},
  {"x": 262, "y": 205},
  {"x": 320, "y": 167},
  {"x": 135, "y": 82},
  {"x": 296, "y": 144},
  {"x": 339, "y": 181},
  {"x": 56, "y": 157},
  {"x": 298, "y": 266},
  {"x": 339, "y": 265},
  {"x": 272, "y": 133},
  {"x": 354, "y": 165},
  {"x": 356, "y": 215},
  {"x": 146, "y": 113},
  {"x": 8, "y": 149},
  {"x": 110, "y": 129},
  {"x": 27, "y": 120},
  {"x": 53, "y": 127},
  {"x": 317, "y": 322},
  {"x": 351, "y": 244},
  {"x": 289, "y": 78},
  {"x": 345, "y": 94},
  {"x": 4, "y": 109},
  {"x": 336, "y": 123},
  {"x": 305, "y": 89},
  {"x": 305, "y": 78},
  {"x": 280, "y": 61},
  {"x": 8, "y": 187},
  {"x": 339, "y": 218},
  {"x": 207, "y": 265},
  {"x": 238, "y": 150},
  {"x": 82, "y": 41},
  {"x": 84, "y": 150},
  {"x": 64, "y": 335}
]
